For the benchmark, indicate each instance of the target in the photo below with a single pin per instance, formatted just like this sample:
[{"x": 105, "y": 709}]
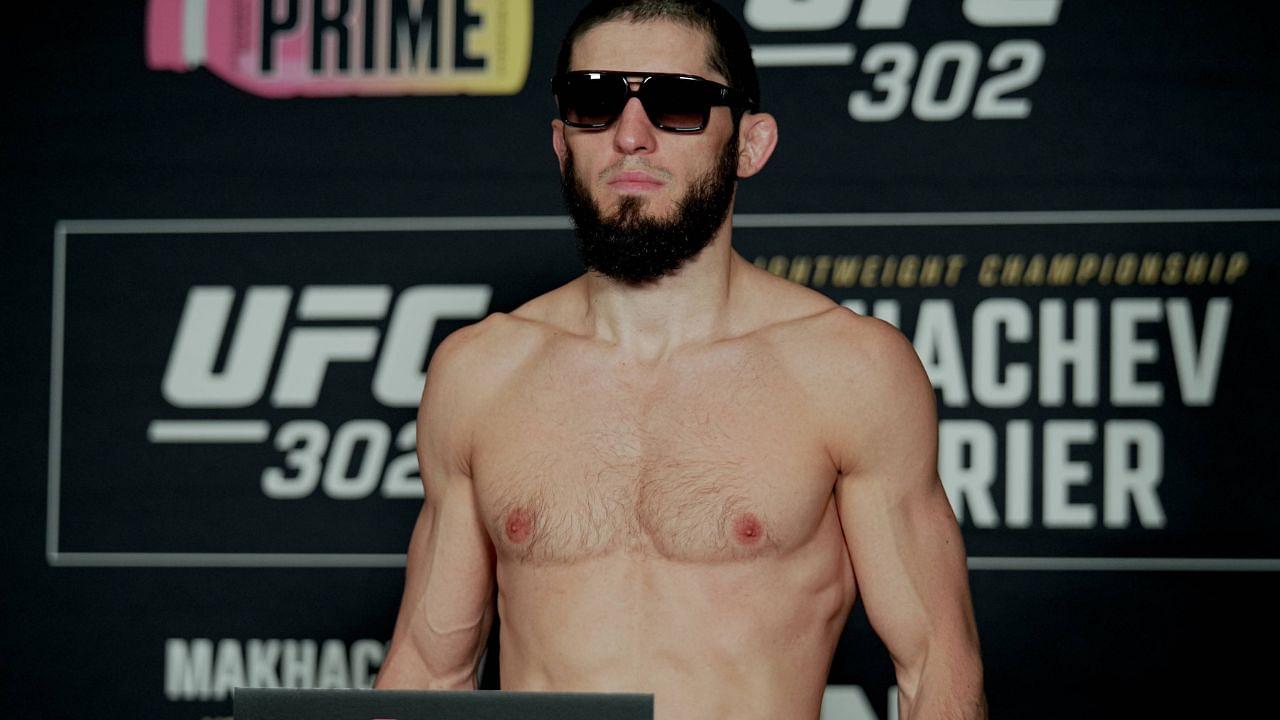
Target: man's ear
[
  {"x": 757, "y": 137},
  {"x": 557, "y": 142}
]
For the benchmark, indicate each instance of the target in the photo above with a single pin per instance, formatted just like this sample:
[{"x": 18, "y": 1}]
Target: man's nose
[{"x": 633, "y": 133}]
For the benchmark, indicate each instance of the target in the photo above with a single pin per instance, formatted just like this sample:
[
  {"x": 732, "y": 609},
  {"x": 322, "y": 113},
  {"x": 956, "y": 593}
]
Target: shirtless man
[{"x": 678, "y": 470}]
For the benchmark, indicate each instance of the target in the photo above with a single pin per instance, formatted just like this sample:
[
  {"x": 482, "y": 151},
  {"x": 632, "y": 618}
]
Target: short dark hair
[{"x": 730, "y": 51}]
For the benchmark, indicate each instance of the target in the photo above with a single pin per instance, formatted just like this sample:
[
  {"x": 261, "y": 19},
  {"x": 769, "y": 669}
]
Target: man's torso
[{"x": 666, "y": 527}]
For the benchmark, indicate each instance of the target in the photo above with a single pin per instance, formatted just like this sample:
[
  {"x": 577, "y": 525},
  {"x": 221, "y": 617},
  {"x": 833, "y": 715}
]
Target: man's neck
[{"x": 650, "y": 321}]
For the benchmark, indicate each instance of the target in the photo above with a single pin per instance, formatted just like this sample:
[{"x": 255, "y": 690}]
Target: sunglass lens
[
  {"x": 676, "y": 103},
  {"x": 588, "y": 101}
]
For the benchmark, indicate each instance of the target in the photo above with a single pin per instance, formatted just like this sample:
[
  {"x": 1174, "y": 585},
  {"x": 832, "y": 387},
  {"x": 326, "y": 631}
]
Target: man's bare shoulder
[
  {"x": 779, "y": 302},
  {"x": 841, "y": 341},
  {"x": 859, "y": 370},
  {"x": 806, "y": 323},
  {"x": 489, "y": 353},
  {"x": 826, "y": 345},
  {"x": 554, "y": 312},
  {"x": 475, "y": 362}
]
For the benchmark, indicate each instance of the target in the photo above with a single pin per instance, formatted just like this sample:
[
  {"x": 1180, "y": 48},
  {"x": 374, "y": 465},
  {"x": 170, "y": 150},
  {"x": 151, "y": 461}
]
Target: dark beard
[{"x": 633, "y": 248}]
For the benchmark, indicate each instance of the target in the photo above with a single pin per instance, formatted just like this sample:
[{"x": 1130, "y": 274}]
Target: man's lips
[{"x": 632, "y": 181}]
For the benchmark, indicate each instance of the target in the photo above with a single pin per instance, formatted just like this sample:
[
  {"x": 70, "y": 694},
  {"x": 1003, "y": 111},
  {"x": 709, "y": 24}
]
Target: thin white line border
[
  {"x": 490, "y": 223},
  {"x": 390, "y": 560},
  {"x": 64, "y": 228}
]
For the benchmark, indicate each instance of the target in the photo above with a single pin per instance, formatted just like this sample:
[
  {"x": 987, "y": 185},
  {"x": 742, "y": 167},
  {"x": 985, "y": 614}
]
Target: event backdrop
[{"x": 234, "y": 233}]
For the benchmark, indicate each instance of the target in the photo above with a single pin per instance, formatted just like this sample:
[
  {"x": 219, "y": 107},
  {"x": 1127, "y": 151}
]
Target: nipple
[
  {"x": 748, "y": 529},
  {"x": 519, "y": 525}
]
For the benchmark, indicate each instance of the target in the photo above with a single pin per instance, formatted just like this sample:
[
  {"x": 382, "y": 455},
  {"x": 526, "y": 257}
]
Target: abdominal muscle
[{"x": 742, "y": 638}]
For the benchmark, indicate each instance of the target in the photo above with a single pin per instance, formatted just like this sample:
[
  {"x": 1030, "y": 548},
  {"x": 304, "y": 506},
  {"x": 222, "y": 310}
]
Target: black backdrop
[{"x": 1116, "y": 207}]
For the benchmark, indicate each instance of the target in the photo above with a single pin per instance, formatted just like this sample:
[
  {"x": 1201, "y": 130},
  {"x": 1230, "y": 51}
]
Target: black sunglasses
[{"x": 676, "y": 103}]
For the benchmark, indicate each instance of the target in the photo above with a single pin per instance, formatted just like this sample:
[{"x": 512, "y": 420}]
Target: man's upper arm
[
  {"x": 907, "y": 552},
  {"x": 445, "y": 613}
]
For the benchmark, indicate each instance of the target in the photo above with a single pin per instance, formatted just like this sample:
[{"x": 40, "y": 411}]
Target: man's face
[{"x": 645, "y": 200}]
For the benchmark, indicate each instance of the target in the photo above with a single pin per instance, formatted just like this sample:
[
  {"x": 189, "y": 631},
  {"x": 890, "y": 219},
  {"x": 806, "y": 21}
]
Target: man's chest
[{"x": 712, "y": 464}]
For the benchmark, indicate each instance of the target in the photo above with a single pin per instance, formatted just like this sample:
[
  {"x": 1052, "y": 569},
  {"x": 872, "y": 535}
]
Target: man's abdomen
[{"x": 736, "y": 637}]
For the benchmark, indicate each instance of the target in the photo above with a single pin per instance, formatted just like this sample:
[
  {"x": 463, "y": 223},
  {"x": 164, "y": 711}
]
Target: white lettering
[
  {"x": 310, "y": 462},
  {"x": 202, "y": 670},
  {"x": 1127, "y": 352},
  {"x": 190, "y": 379},
  {"x": 1198, "y": 372},
  {"x": 298, "y": 664},
  {"x": 967, "y": 59},
  {"x": 883, "y": 14},
  {"x": 402, "y": 478},
  {"x": 775, "y": 15},
  {"x": 333, "y": 670},
  {"x": 366, "y": 657},
  {"x": 228, "y": 668},
  {"x": 813, "y": 15},
  {"x": 893, "y": 64},
  {"x": 376, "y": 438},
  {"x": 1130, "y": 464},
  {"x": 1012, "y": 13},
  {"x": 1017, "y": 474},
  {"x": 263, "y": 660},
  {"x": 1081, "y": 352},
  {"x": 988, "y": 317},
  {"x": 344, "y": 302},
  {"x": 969, "y": 484},
  {"x": 1139, "y": 481},
  {"x": 849, "y": 702},
  {"x": 188, "y": 669},
  {"x": 1018, "y": 63},
  {"x": 307, "y": 356},
  {"x": 937, "y": 342},
  {"x": 401, "y": 370},
  {"x": 1061, "y": 473},
  {"x": 306, "y": 442}
]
